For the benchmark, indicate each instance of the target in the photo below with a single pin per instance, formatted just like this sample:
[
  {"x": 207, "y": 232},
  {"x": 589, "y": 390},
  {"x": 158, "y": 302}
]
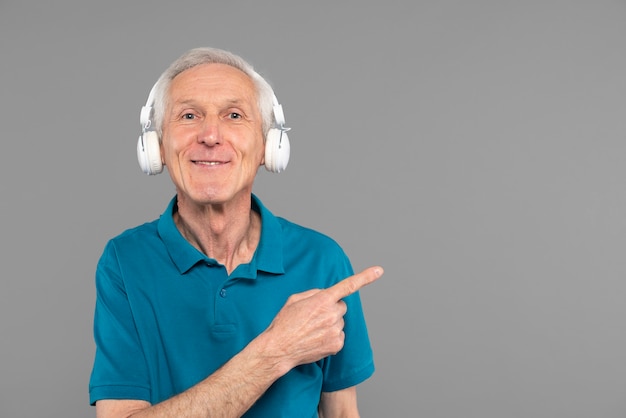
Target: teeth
[{"x": 209, "y": 162}]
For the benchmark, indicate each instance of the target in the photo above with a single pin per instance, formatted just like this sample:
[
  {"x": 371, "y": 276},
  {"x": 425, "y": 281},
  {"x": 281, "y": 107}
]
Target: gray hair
[{"x": 199, "y": 56}]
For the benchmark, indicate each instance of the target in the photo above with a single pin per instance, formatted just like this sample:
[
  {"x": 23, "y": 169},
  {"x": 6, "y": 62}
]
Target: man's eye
[
  {"x": 189, "y": 116},
  {"x": 234, "y": 115}
]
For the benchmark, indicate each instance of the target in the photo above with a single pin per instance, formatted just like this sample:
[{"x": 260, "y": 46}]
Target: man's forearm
[{"x": 229, "y": 392}]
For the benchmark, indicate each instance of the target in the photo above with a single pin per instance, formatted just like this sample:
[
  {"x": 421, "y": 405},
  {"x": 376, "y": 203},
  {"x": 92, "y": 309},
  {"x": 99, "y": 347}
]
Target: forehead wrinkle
[{"x": 196, "y": 102}]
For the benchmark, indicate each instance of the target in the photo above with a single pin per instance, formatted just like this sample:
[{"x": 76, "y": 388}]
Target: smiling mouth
[{"x": 211, "y": 163}]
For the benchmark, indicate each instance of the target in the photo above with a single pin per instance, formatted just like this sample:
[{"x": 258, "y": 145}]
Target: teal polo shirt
[{"x": 167, "y": 316}]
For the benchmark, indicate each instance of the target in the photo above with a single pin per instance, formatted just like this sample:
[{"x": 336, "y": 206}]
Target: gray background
[{"x": 475, "y": 149}]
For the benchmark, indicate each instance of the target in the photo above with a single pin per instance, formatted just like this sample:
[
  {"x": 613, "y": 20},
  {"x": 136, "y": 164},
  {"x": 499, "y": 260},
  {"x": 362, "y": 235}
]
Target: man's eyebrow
[
  {"x": 237, "y": 102},
  {"x": 187, "y": 102},
  {"x": 243, "y": 106}
]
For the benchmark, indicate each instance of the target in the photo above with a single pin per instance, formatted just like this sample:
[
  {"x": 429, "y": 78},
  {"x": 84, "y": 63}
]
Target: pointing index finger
[{"x": 352, "y": 284}]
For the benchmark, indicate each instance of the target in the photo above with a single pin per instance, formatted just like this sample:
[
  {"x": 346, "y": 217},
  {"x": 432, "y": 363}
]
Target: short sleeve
[
  {"x": 119, "y": 370},
  {"x": 355, "y": 362}
]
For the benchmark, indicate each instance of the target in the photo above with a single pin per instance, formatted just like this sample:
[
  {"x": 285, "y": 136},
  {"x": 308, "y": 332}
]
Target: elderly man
[{"x": 219, "y": 308}]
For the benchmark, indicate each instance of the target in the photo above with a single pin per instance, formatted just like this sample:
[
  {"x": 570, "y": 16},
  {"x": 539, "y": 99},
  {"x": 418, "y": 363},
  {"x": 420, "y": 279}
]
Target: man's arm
[
  {"x": 228, "y": 392},
  {"x": 309, "y": 327},
  {"x": 339, "y": 404}
]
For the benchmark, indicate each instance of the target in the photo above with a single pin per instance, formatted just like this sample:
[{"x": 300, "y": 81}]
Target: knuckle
[
  {"x": 343, "y": 307},
  {"x": 339, "y": 342},
  {"x": 352, "y": 286}
]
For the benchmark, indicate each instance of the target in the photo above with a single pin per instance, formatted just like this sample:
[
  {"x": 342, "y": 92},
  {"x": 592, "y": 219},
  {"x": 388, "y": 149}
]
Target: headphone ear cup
[
  {"x": 277, "y": 150},
  {"x": 149, "y": 153}
]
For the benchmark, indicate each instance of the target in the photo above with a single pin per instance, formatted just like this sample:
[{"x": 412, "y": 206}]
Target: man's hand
[{"x": 310, "y": 325}]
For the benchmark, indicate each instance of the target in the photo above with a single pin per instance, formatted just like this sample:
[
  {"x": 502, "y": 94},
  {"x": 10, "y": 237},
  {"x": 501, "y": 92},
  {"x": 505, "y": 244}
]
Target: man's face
[{"x": 212, "y": 141}]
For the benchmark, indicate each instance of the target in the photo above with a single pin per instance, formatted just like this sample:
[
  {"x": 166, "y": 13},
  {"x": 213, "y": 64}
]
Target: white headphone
[{"x": 277, "y": 148}]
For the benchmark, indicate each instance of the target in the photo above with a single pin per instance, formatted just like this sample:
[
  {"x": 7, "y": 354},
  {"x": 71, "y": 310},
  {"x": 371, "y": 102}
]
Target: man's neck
[{"x": 228, "y": 233}]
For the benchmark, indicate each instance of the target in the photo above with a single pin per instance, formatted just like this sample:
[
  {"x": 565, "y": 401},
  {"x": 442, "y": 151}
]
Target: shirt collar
[{"x": 268, "y": 256}]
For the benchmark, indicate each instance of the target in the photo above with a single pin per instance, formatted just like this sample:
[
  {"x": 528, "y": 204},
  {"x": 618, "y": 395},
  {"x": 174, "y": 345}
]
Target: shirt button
[{"x": 223, "y": 293}]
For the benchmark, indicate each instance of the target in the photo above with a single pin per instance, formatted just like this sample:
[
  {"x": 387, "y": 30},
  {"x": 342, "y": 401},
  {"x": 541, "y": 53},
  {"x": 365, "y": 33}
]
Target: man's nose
[{"x": 210, "y": 132}]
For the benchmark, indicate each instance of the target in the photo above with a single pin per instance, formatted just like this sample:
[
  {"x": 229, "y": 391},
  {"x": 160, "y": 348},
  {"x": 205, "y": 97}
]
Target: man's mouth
[{"x": 209, "y": 162}]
